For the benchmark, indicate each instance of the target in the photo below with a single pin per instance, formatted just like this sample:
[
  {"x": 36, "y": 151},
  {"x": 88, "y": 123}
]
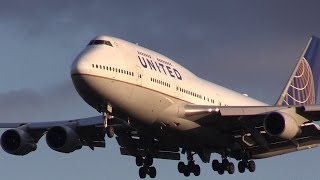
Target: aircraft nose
[{"x": 81, "y": 64}]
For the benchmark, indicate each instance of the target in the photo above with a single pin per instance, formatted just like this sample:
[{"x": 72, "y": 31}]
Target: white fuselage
[{"x": 143, "y": 83}]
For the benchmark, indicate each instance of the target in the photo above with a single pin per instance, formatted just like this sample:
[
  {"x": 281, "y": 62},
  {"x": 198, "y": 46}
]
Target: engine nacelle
[
  {"x": 63, "y": 139},
  {"x": 282, "y": 125},
  {"x": 17, "y": 142}
]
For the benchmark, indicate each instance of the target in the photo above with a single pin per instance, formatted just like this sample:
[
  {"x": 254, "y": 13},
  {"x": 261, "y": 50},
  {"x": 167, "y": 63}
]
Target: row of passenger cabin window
[
  {"x": 160, "y": 82},
  {"x": 160, "y": 60},
  {"x": 194, "y": 94},
  {"x": 164, "y": 62},
  {"x": 189, "y": 92},
  {"x": 113, "y": 69},
  {"x": 209, "y": 100},
  {"x": 144, "y": 54}
]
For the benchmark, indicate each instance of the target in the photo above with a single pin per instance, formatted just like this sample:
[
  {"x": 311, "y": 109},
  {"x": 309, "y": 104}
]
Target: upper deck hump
[{"x": 155, "y": 56}]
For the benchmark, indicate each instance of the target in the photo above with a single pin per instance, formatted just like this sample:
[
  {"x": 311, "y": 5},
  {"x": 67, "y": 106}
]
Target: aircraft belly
[{"x": 145, "y": 105}]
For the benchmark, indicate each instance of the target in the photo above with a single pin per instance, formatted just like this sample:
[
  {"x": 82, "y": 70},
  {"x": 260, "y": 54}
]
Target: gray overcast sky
[{"x": 249, "y": 46}]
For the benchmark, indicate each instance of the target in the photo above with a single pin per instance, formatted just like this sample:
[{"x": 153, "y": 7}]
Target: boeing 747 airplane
[{"x": 156, "y": 108}]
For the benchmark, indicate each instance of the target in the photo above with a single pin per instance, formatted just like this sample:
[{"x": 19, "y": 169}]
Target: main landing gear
[
  {"x": 225, "y": 165},
  {"x": 190, "y": 167},
  {"x": 243, "y": 165},
  {"x": 146, "y": 168}
]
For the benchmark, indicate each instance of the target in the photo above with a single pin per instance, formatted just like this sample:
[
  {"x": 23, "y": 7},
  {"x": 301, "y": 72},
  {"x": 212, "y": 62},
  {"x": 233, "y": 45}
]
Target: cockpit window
[{"x": 100, "y": 42}]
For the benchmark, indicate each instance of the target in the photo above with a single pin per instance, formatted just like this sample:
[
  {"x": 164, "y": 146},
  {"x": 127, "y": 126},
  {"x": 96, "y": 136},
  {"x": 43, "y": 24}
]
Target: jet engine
[
  {"x": 282, "y": 125},
  {"x": 63, "y": 139},
  {"x": 17, "y": 142}
]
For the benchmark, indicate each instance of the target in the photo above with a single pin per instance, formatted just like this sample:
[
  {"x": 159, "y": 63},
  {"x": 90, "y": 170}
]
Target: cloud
[
  {"x": 250, "y": 46},
  {"x": 243, "y": 37},
  {"x": 52, "y": 103}
]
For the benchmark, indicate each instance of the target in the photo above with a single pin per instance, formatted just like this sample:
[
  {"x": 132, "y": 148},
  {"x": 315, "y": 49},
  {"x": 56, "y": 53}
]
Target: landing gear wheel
[
  {"x": 186, "y": 173},
  {"x": 215, "y": 165},
  {"x": 196, "y": 170},
  {"x": 181, "y": 167},
  {"x": 148, "y": 161},
  {"x": 142, "y": 172},
  {"x": 231, "y": 168},
  {"x": 190, "y": 167},
  {"x": 225, "y": 164},
  {"x": 139, "y": 160},
  {"x": 242, "y": 166},
  {"x": 220, "y": 169},
  {"x": 110, "y": 131},
  {"x": 251, "y": 166},
  {"x": 152, "y": 172}
]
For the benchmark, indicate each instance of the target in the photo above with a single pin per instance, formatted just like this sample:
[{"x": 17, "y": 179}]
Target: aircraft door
[
  {"x": 218, "y": 99},
  {"x": 139, "y": 76},
  {"x": 177, "y": 89}
]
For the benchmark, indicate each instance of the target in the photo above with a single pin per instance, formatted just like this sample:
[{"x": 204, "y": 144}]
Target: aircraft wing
[
  {"x": 231, "y": 116},
  {"x": 90, "y": 121},
  {"x": 265, "y": 128},
  {"x": 62, "y": 136}
]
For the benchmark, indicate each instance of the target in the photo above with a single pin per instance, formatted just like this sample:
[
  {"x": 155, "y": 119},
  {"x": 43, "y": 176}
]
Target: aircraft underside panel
[{"x": 134, "y": 147}]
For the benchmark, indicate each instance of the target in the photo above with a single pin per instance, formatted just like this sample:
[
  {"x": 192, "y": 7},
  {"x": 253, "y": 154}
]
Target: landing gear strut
[
  {"x": 109, "y": 129},
  {"x": 190, "y": 167},
  {"x": 146, "y": 168}
]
